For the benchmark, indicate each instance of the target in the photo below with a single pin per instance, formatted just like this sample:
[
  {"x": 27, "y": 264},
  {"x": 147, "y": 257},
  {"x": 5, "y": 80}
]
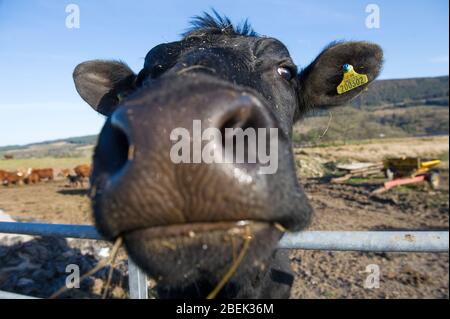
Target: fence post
[{"x": 137, "y": 280}]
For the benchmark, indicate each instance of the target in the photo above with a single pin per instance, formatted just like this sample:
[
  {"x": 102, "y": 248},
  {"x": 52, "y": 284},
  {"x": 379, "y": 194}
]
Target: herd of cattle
[{"x": 36, "y": 175}]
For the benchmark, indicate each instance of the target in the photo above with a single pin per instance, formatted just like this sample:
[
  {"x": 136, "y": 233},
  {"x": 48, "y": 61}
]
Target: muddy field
[
  {"x": 319, "y": 274},
  {"x": 337, "y": 207},
  {"x": 52, "y": 202},
  {"x": 350, "y": 207}
]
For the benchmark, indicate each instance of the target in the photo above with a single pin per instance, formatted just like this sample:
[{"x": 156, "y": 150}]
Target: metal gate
[{"x": 387, "y": 241}]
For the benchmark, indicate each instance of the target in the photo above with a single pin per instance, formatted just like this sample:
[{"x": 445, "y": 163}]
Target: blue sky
[{"x": 38, "y": 53}]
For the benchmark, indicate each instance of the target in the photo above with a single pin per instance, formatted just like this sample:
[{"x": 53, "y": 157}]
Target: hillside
[
  {"x": 70, "y": 147},
  {"x": 428, "y": 91},
  {"x": 390, "y": 108}
]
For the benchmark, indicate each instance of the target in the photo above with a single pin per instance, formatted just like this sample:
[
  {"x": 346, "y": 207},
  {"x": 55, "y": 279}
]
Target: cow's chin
[{"x": 191, "y": 259}]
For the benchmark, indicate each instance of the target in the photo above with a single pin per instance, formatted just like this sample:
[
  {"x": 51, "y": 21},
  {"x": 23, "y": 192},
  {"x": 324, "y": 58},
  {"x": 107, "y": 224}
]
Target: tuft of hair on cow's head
[{"x": 187, "y": 222}]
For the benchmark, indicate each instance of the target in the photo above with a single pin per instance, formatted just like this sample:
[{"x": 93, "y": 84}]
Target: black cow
[
  {"x": 185, "y": 224},
  {"x": 75, "y": 180}
]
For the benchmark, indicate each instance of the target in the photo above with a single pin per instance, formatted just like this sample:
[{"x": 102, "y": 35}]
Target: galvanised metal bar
[
  {"x": 10, "y": 295},
  {"x": 137, "y": 280},
  {"x": 387, "y": 241},
  {"x": 59, "y": 230}
]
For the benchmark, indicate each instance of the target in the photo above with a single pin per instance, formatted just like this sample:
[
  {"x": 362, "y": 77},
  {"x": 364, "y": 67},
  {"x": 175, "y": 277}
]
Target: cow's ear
[
  {"x": 102, "y": 83},
  {"x": 320, "y": 80}
]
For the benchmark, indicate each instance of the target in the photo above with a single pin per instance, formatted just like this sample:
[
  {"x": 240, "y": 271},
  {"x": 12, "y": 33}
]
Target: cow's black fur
[
  {"x": 218, "y": 24},
  {"x": 181, "y": 81}
]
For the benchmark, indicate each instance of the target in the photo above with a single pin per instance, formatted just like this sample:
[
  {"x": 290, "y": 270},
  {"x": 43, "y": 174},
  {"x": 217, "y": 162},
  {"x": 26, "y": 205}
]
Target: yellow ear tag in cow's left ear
[{"x": 351, "y": 79}]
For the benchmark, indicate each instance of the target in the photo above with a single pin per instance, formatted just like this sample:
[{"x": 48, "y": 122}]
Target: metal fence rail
[
  {"x": 59, "y": 230},
  {"x": 387, "y": 241},
  {"x": 10, "y": 295}
]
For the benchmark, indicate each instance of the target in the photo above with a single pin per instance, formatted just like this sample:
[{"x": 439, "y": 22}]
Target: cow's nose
[
  {"x": 140, "y": 175},
  {"x": 230, "y": 115}
]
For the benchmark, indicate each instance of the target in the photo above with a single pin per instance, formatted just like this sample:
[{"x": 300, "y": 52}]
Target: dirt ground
[
  {"x": 337, "y": 207},
  {"x": 51, "y": 202},
  {"x": 319, "y": 274},
  {"x": 322, "y": 274}
]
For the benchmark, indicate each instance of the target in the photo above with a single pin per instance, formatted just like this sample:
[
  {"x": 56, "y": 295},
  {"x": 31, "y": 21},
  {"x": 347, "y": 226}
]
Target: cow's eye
[
  {"x": 285, "y": 72},
  {"x": 157, "y": 70}
]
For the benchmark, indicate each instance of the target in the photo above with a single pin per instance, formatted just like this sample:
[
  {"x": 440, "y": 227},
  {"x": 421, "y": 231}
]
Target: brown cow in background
[
  {"x": 64, "y": 172},
  {"x": 43, "y": 173},
  {"x": 32, "y": 178},
  {"x": 82, "y": 171},
  {"x": 2, "y": 175},
  {"x": 9, "y": 178}
]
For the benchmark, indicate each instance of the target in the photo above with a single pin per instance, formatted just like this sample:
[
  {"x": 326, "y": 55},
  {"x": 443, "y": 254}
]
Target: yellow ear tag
[{"x": 351, "y": 79}]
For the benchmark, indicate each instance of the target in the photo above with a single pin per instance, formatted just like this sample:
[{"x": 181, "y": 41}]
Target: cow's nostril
[
  {"x": 239, "y": 131},
  {"x": 119, "y": 149},
  {"x": 240, "y": 118},
  {"x": 231, "y": 122}
]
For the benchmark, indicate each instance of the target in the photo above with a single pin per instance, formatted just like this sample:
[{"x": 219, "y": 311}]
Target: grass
[
  {"x": 376, "y": 150},
  {"x": 55, "y": 163},
  {"x": 407, "y": 188},
  {"x": 348, "y": 125},
  {"x": 362, "y": 142},
  {"x": 443, "y": 156},
  {"x": 329, "y": 294},
  {"x": 359, "y": 180}
]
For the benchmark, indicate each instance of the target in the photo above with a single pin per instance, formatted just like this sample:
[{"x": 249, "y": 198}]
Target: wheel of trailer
[
  {"x": 433, "y": 178},
  {"x": 389, "y": 173}
]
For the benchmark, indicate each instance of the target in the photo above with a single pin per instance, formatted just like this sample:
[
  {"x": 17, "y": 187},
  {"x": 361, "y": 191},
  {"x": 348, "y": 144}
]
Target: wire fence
[{"x": 376, "y": 241}]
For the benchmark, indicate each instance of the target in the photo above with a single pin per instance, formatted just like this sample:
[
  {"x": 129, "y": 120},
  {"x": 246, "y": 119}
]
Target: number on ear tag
[{"x": 351, "y": 79}]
